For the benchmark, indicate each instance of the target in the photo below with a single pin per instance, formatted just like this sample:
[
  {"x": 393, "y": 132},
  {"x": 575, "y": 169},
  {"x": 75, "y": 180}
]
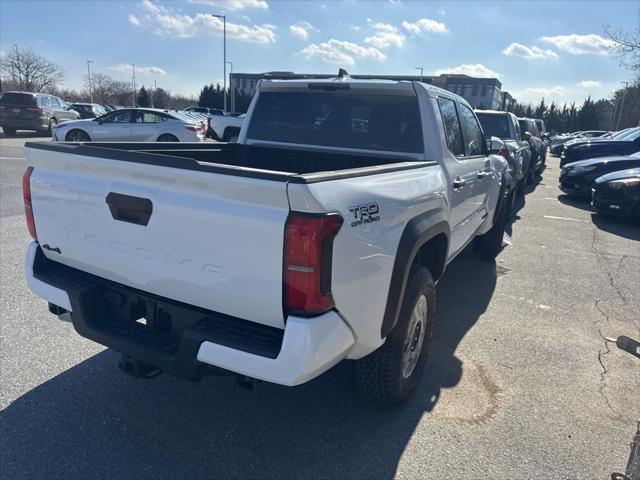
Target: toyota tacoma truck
[{"x": 318, "y": 237}]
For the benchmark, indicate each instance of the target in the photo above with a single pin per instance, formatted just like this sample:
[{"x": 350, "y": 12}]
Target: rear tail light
[
  {"x": 35, "y": 109},
  {"x": 191, "y": 128},
  {"x": 308, "y": 252},
  {"x": 28, "y": 208},
  {"x": 505, "y": 153}
]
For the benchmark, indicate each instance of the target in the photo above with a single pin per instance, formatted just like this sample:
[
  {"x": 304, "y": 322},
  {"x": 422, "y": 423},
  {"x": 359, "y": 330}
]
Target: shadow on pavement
[
  {"x": 620, "y": 226},
  {"x": 92, "y": 421},
  {"x": 576, "y": 202}
]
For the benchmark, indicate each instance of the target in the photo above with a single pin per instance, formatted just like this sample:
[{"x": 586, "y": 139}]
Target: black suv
[
  {"x": 33, "y": 111},
  {"x": 89, "y": 110}
]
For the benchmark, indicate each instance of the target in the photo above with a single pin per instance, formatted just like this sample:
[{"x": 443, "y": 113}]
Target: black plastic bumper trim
[{"x": 170, "y": 345}]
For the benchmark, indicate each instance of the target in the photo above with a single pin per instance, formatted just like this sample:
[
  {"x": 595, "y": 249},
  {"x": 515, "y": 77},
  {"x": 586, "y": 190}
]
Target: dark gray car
[
  {"x": 33, "y": 111},
  {"x": 504, "y": 125},
  {"x": 531, "y": 134}
]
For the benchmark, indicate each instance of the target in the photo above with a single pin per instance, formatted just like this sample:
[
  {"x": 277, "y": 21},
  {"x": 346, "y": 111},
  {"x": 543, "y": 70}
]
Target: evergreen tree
[
  {"x": 143, "y": 100},
  {"x": 541, "y": 109}
]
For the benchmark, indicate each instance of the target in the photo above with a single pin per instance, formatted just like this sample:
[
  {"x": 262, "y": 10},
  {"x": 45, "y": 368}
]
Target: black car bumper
[
  {"x": 39, "y": 123},
  {"x": 575, "y": 186},
  {"x": 613, "y": 201},
  {"x": 153, "y": 330}
]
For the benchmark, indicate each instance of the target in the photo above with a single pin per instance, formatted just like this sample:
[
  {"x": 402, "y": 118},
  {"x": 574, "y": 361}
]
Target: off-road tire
[
  {"x": 379, "y": 375},
  {"x": 488, "y": 246}
]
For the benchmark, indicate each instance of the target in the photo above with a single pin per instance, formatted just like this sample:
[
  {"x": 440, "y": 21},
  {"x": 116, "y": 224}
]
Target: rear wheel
[
  {"x": 52, "y": 124},
  {"x": 229, "y": 133},
  {"x": 9, "y": 130},
  {"x": 77, "y": 136},
  {"x": 389, "y": 375},
  {"x": 167, "y": 137}
]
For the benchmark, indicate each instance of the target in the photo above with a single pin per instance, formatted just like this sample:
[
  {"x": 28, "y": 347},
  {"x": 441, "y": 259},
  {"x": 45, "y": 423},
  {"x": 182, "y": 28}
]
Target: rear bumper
[
  {"x": 39, "y": 123},
  {"x": 182, "y": 339}
]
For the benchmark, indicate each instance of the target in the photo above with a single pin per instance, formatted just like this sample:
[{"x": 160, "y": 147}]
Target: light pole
[
  {"x": 89, "y": 62},
  {"x": 133, "y": 83},
  {"x": 613, "y": 113},
  {"x": 232, "y": 90},
  {"x": 421, "y": 70},
  {"x": 17, "y": 64},
  {"x": 224, "y": 59},
  {"x": 626, "y": 87}
]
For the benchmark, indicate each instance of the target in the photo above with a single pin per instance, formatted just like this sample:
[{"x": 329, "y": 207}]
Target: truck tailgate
[{"x": 203, "y": 238}]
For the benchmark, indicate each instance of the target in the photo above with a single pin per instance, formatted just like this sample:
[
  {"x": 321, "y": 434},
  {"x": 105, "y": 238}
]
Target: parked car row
[
  {"x": 524, "y": 148},
  {"x": 605, "y": 172}
]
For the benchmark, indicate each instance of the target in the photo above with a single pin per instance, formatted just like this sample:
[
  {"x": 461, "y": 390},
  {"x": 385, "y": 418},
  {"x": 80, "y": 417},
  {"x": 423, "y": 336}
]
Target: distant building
[{"x": 483, "y": 93}]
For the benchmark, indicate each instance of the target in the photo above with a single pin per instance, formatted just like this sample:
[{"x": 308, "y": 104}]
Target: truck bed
[{"x": 284, "y": 164}]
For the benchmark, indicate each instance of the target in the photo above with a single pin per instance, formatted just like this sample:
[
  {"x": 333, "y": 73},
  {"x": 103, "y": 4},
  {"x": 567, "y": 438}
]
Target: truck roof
[{"x": 402, "y": 87}]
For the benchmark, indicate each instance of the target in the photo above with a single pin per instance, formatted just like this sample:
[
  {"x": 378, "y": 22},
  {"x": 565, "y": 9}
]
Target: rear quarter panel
[{"x": 375, "y": 209}]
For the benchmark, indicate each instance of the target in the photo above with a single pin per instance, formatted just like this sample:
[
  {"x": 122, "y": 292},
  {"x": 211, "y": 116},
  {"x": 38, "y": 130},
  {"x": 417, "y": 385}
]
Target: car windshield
[
  {"x": 24, "y": 99},
  {"x": 494, "y": 125},
  {"x": 363, "y": 121},
  {"x": 630, "y": 136}
]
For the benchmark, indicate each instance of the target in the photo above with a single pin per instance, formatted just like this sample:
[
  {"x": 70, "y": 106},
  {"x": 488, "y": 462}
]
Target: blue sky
[{"x": 536, "y": 48}]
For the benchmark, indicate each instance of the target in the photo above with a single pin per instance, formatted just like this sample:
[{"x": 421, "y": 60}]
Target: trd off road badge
[{"x": 364, "y": 213}]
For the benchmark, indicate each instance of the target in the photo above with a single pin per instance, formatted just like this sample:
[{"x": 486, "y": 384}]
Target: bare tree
[
  {"x": 626, "y": 45},
  {"x": 26, "y": 70}
]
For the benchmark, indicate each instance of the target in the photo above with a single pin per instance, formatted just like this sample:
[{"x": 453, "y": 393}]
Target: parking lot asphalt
[{"x": 521, "y": 382}]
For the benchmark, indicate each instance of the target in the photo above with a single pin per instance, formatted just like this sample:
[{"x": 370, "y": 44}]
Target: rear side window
[
  {"x": 23, "y": 99},
  {"x": 495, "y": 125},
  {"x": 472, "y": 133},
  {"x": 347, "y": 120},
  {"x": 451, "y": 126},
  {"x": 44, "y": 101}
]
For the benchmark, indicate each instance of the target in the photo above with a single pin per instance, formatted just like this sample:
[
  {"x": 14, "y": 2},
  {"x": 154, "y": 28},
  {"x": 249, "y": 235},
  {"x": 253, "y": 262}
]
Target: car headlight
[
  {"x": 623, "y": 183},
  {"x": 584, "y": 169}
]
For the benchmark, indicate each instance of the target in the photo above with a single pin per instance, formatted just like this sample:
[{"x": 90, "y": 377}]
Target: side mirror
[
  {"x": 494, "y": 145},
  {"x": 526, "y": 136}
]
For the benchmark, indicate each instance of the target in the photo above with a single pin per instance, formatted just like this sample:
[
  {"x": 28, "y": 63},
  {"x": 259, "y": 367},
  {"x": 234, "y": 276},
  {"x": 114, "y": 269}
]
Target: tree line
[{"x": 622, "y": 110}]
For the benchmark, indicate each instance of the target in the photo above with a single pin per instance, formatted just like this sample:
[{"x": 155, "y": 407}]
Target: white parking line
[
  {"x": 566, "y": 218},
  {"x": 11, "y": 158}
]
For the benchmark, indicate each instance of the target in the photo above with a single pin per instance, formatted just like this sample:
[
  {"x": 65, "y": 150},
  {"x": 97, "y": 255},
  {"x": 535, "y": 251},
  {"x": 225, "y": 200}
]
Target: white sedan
[{"x": 132, "y": 125}]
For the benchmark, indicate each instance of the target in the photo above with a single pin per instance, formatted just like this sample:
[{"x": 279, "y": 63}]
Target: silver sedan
[{"x": 132, "y": 125}]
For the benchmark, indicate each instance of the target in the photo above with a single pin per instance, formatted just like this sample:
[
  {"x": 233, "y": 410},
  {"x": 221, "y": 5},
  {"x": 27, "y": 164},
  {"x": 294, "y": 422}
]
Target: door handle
[
  {"x": 458, "y": 183},
  {"x": 483, "y": 173}
]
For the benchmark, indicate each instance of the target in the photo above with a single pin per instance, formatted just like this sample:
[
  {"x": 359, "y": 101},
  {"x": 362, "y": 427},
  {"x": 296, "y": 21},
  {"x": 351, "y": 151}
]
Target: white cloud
[
  {"x": 589, "y": 84},
  {"x": 530, "y": 53},
  {"x": 534, "y": 94},
  {"x": 355, "y": 28},
  {"x": 385, "y": 35},
  {"x": 301, "y": 30},
  {"x": 126, "y": 68},
  {"x": 167, "y": 22},
  {"x": 341, "y": 52},
  {"x": 579, "y": 44},
  {"x": 133, "y": 20},
  {"x": 233, "y": 5},
  {"x": 473, "y": 70},
  {"x": 424, "y": 25}
]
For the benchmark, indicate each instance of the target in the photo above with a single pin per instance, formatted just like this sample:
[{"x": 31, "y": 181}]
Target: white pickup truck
[
  {"x": 225, "y": 127},
  {"x": 318, "y": 237}
]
